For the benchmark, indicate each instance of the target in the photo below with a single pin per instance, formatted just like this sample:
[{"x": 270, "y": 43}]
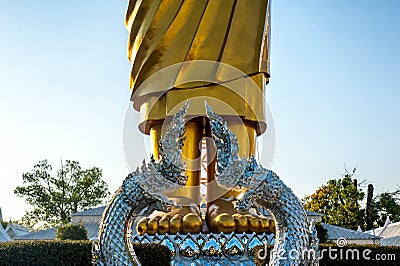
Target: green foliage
[
  {"x": 339, "y": 202},
  {"x": 322, "y": 233},
  {"x": 391, "y": 255},
  {"x": 385, "y": 205},
  {"x": 54, "y": 198},
  {"x": 153, "y": 254},
  {"x": 69, "y": 253},
  {"x": 71, "y": 232},
  {"x": 45, "y": 253},
  {"x": 3, "y": 223}
]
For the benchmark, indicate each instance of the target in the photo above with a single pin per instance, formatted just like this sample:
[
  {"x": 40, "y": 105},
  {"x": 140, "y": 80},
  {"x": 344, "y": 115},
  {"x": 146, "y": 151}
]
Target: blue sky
[{"x": 334, "y": 91}]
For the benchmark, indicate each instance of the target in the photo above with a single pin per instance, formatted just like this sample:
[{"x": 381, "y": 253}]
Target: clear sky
[{"x": 334, "y": 91}]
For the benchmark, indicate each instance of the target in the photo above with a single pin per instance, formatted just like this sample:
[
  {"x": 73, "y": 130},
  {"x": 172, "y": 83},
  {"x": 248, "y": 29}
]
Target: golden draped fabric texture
[{"x": 163, "y": 33}]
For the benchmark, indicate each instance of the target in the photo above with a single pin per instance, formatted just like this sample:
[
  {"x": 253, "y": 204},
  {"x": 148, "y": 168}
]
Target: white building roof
[
  {"x": 47, "y": 234},
  {"x": 4, "y": 237},
  {"x": 390, "y": 234},
  {"x": 391, "y": 241},
  {"x": 98, "y": 211},
  {"x": 336, "y": 232},
  {"x": 16, "y": 230},
  {"x": 93, "y": 229},
  {"x": 50, "y": 234},
  {"x": 390, "y": 230}
]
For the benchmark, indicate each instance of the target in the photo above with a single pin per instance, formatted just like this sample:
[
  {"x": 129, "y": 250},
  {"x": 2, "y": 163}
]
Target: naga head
[
  {"x": 161, "y": 203},
  {"x": 169, "y": 165},
  {"x": 161, "y": 175},
  {"x": 137, "y": 194},
  {"x": 232, "y": 171},
  {"x": 225, "y": 141},
  {"x": 247, "y": 201}
]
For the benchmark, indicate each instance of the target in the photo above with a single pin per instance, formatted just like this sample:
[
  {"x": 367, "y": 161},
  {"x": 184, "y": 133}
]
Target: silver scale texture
[{"x": 142, "y": 192}]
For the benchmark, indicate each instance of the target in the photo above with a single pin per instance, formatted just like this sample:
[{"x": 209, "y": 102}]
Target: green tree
[
  {"x": 71, "y": 232},
  {"x": 386, "y": 204},
  {"x": 322, "y": 233},
  {"x": 3, "y": 223},
  {"x": 54, "y": 198},
  {"x": 339, "y": 202}
]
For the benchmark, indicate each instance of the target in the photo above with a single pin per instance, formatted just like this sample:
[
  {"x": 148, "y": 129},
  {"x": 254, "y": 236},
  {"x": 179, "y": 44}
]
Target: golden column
[{"x": 230, "y": 32}]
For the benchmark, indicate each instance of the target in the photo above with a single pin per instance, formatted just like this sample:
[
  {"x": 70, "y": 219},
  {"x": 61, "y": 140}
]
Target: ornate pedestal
[
  {"x": 143, "y": 192},
  {"x": 209, "y": 249}
]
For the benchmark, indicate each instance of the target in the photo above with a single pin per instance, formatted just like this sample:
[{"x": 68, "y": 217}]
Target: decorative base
[
  {"x": 142, "y": 193},
  {"x": 209, "y": 249}
]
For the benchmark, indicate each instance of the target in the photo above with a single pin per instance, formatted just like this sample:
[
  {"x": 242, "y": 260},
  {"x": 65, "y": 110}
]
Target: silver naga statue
[
  {"x": 296, "y": 242},
  {"x": 141, "y": 192}
]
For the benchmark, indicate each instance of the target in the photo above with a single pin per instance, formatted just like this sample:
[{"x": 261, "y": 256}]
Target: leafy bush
[
  {"x": 71, "y": 232},
  {"x": 322, "y": 233},
  {"x": 153, "y": 254},
  {"x": 45, "y": 253},
  {"x": 368, "y": 255},
  {"x": 71, "y": 253}
]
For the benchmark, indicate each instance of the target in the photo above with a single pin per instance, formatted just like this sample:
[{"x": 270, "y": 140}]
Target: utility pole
[
  {"x": 368, "y": 214},
  {"x": 63, "y": 192}
]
